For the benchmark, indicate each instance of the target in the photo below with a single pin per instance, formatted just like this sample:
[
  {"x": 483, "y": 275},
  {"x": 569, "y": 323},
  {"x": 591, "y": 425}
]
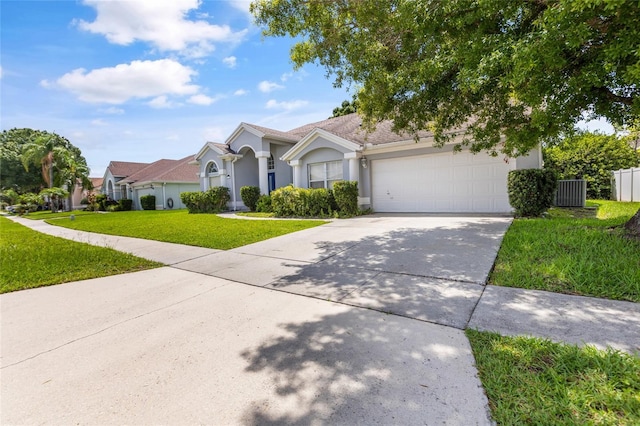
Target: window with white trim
[
  {"x": 324, "y": 175},
  {"x": 271, "y": 163},
  {"x": 212, "y": 168}
]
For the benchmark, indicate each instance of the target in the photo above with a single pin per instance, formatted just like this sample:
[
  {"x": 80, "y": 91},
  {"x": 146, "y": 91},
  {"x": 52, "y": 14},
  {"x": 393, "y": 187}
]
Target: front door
[{"x": 272, "y": 181}]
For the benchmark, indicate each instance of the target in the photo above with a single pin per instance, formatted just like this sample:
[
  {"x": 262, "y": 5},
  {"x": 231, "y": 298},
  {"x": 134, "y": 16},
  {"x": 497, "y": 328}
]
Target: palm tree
[
  {"x": 51, "y": 151},
  {"x": 40, "y": 151}
]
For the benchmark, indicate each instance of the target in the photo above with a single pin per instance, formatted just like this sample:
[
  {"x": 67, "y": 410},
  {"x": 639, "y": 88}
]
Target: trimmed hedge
[
  {"x": 531, "y": 191},
  {"x": 289, "y": 201},
  {"x": 250, "y": 196},
  {"x": 346, "y": 195},
  {"x": 125, "y": 204},
  {"x": 214, "y": 200},
  {"x": 264, "y": 204},
  {"x": 148, "y": 202}
]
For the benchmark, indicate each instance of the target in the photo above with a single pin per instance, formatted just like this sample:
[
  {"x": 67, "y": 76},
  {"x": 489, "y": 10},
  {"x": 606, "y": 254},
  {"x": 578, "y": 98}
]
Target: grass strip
[
  {"x": 47, "y": 214},
  {"x": 537, "y": 382},
  {"x": 178, "y": 226},
  {"x": 30, "y": 259},
  {"x": 581, "y": 255}
]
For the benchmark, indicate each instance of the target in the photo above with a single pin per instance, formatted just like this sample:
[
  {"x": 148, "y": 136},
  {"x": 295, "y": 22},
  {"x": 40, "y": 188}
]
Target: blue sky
[{"x": 133, "y": 81}]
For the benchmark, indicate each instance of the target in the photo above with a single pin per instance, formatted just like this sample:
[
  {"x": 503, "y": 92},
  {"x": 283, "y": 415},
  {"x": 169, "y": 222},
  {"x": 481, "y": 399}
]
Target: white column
[
  {"x": 354, "y": 170},
  {"x": 223, "y": 177},
  {"x": 262, "y": 173},
  {"x": 297, "y": 173}
]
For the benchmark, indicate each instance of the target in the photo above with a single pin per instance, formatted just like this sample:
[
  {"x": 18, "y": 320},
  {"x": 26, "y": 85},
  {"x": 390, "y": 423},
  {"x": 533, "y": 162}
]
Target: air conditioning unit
[{"x": 571, "y": 193}]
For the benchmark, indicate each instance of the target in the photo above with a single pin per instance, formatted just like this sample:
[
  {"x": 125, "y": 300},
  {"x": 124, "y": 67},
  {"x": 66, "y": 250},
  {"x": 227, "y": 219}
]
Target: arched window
[
  {"x": 212, "y": 168},
  {"x": 271, "y": 163}
]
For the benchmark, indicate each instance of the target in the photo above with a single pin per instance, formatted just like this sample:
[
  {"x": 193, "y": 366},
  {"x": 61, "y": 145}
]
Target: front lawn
[
  {"x": 178, "y": 226},
  {"x": 30, "y": 259},
  {"x": 579, "y": 251},
  {"x": 536, "y": 382}
]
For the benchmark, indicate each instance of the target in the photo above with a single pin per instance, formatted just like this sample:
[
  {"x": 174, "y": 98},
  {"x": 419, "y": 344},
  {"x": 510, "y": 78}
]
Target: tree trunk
[{"x": 633, "y": 226}]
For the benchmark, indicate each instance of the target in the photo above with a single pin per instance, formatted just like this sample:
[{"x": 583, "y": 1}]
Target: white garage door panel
[{"x": 447, "y": 182}]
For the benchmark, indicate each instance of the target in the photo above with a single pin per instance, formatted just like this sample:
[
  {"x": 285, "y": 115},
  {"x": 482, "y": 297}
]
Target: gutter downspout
[
  {"x": 233, "y": 182},
  {"x": 164, "y": 196}
]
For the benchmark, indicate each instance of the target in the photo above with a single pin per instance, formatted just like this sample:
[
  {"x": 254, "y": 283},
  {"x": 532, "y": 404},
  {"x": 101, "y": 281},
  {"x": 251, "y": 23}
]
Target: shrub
[
  {"x": 100, "y": 202},
  {"x": 264, "y": 204},
  {"x": 300, "y": 202},
  {"x": 531, "y": 191},
  {"x": 250, "y": 196},
  {"x": 125, "y": 205},
  {"x": 114, "y": 208},
  {"x": 213, "y": 200},
  {"x": 148, "y": 202},
  {"x": 592, "y": 157},
  {"x": 84, "y": 201},
  {"x": 346, "y": 195}
]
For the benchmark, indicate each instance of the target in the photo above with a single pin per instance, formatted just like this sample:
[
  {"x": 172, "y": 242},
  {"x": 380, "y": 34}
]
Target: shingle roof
[
  {"x": 166, "y": 171},
  {"x": 275, "y": 133},
  {"x": 349, "y": 127},
  {"x": 125, "y": 168},
  {"x": 97, "y": 183}
]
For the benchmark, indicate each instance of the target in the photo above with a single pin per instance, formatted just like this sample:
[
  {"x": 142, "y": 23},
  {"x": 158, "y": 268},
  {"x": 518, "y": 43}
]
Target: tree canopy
[
  {"x": 592, "y": 157},
  {"x": 508, "y": 73},
  {"x": 36, "y": 159},
  {"x": 346, "y": 108}
]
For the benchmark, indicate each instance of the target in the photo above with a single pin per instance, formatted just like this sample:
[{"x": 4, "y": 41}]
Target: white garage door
[{"x": 447, "y": 182}]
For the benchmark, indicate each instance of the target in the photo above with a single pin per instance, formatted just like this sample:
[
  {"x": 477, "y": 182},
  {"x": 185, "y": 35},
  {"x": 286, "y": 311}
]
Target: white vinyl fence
[{"x": 626, "y": 184}]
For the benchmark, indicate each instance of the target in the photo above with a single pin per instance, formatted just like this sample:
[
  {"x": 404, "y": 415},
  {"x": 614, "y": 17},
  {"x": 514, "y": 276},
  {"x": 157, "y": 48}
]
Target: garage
[{"x": 446, "y": 183}]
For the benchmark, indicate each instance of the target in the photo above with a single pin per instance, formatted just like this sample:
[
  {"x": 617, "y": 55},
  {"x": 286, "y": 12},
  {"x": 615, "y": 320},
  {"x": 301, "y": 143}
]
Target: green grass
[
  {"x": 573, "y": 252},
  {"x": 256, "y": 214},
  {"x": 46, "y": 214},
  {"x": 177, "y": 226},
  {"x": 29, "y": 259},
  {"x": 536, "y": 382}
]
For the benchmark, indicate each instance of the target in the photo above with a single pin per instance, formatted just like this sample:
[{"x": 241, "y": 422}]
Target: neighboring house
[
  {"x": 394, "y": 172},
  {"x": 80, "y": 193},
  {"x": 166, "y": 179}
]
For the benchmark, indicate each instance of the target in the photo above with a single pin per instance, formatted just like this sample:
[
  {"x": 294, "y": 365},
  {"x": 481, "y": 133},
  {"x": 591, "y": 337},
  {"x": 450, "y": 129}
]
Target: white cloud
[
  {"x": 204, "y": 99},
  {"x": 230, "y": 61},
  {"x": 173, "y": 137},
  {"x": 287, "y": 106},
  {"x": 241, "y": 92},
  {"x": 241, "y": 5},
  {"x": 0, "y": 71},
  {"x": 45, "y": 83},
  {"x": 163, "y": 24},
  {"x": 139, "y": 79},
  {"x": 98, "y": 122},
  {"x": 112, "y": 110},
  {"x": 286, "y": 76},
  {"x": 269, "y": 86},
  {"x": 214, "y": 134},
  {"x": 161, "y": 102}
]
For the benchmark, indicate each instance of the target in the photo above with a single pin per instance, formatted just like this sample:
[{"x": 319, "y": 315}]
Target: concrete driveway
[{"x": 431, "y": 268}]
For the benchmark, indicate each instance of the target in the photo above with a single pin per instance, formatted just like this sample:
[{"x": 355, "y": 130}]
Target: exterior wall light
[{"x": 363, "y": 162}]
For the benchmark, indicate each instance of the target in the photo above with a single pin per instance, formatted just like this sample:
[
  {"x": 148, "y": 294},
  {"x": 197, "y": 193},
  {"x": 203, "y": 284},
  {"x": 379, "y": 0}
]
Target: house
[
  {"x": 166, "y": 179},
  {"x": 394, "y": 172}
]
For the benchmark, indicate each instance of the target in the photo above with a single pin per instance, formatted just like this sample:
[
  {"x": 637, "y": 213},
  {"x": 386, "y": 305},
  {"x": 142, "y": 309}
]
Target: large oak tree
[{"x": 511, "y": 73}]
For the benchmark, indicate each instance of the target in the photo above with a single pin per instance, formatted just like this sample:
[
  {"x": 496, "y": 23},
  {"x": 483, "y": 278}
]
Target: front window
[
  {"x": 324, "y": 175},
  {"x": 271, "y": 163},
  {"x": 212, "y": 168}
]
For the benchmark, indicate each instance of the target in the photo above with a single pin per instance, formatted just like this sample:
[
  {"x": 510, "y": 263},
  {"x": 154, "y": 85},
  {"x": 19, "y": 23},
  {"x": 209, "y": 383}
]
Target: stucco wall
[{"x": 321, "y": 155}]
